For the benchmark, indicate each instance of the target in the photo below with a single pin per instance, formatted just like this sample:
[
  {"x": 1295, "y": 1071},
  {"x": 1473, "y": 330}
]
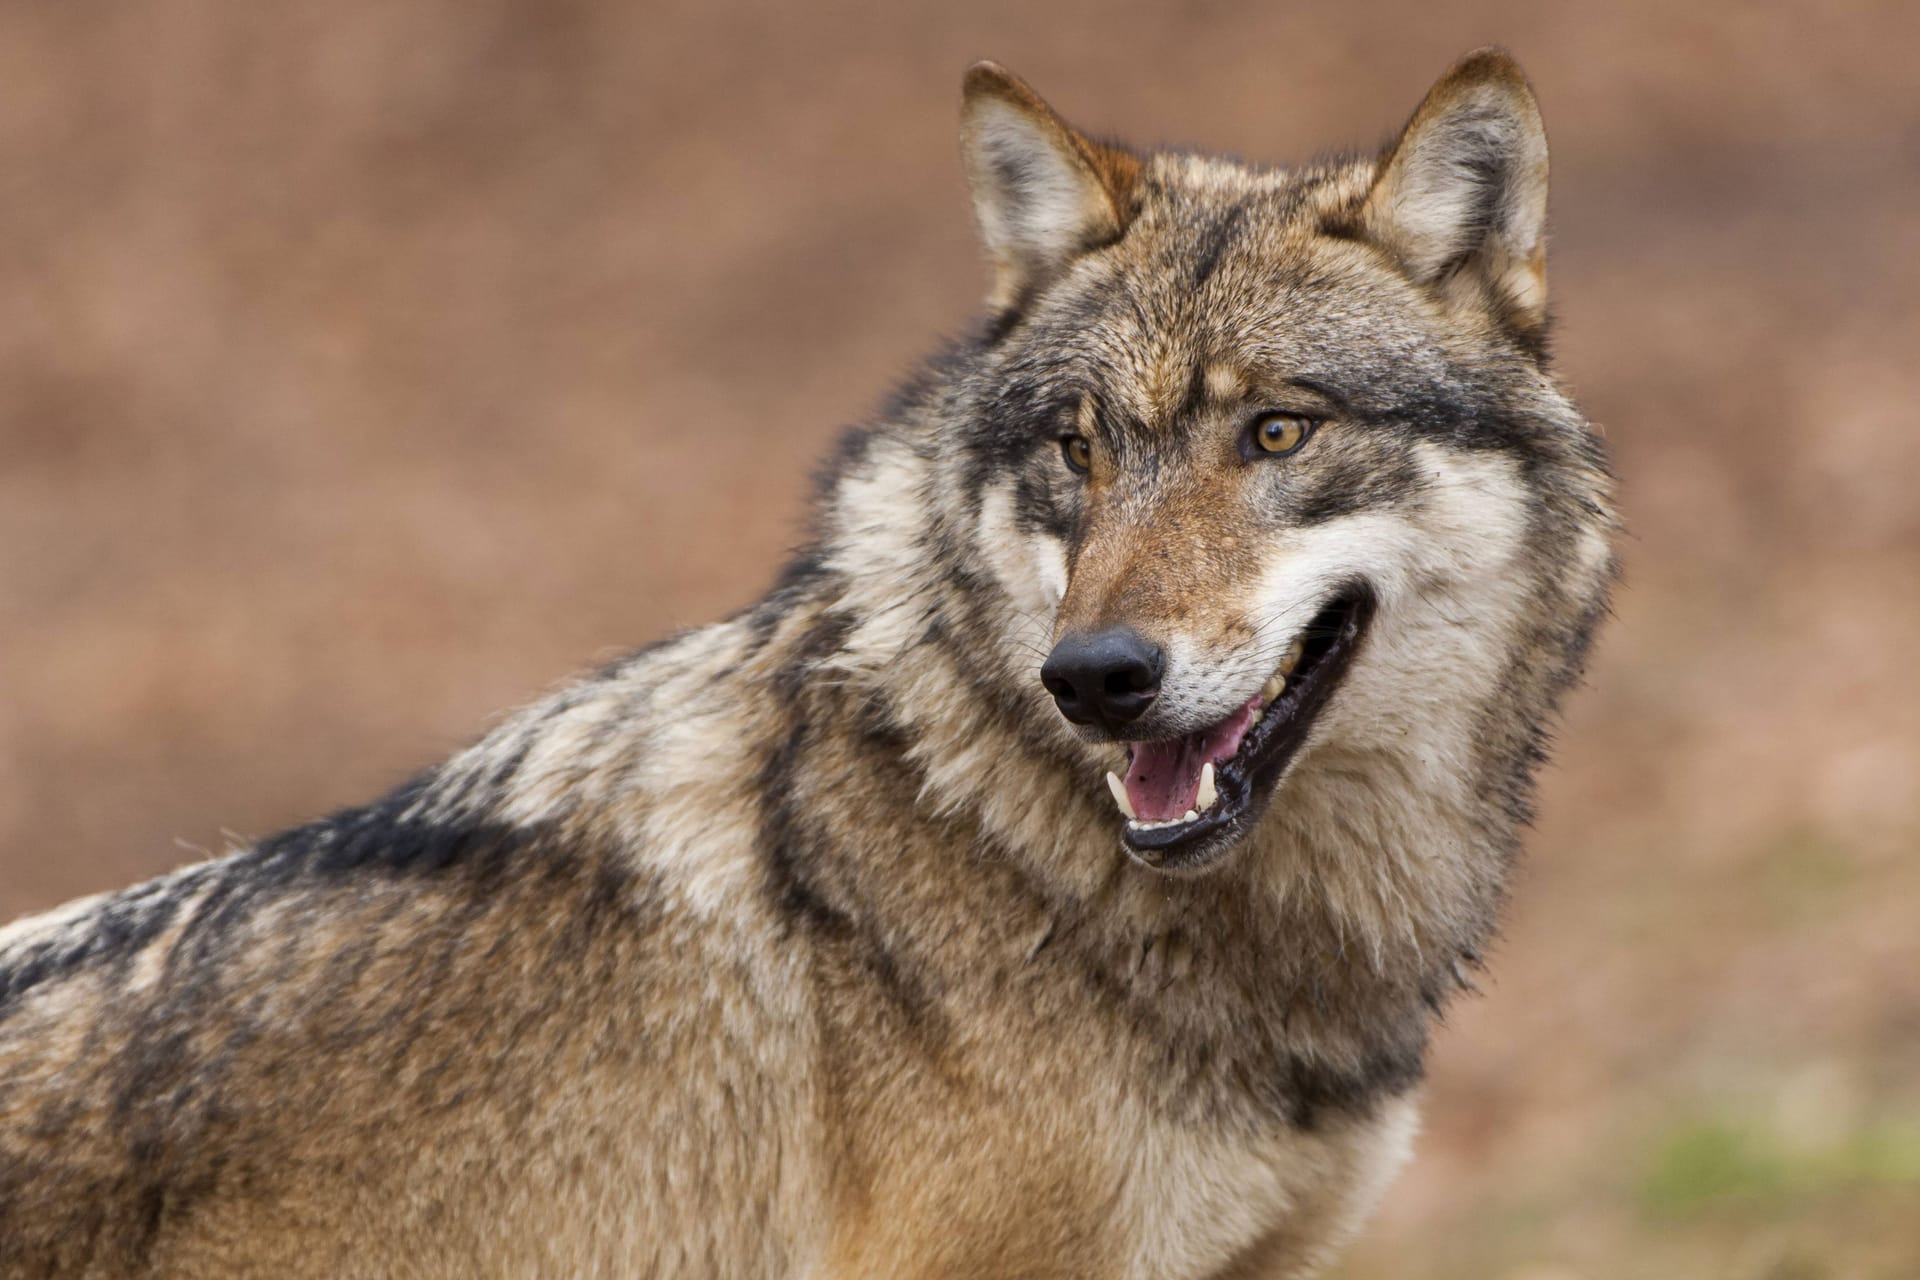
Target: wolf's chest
[
  {"x": 1211, "y": 1204},
  {"x": 1112, "y": 1192}
]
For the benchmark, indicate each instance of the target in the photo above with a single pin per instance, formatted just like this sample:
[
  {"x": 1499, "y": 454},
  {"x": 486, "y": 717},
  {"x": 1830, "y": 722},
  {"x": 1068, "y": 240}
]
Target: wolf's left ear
[
  {"x": 1042, "y": 193},
  {"x": 1461, "y": 199}
]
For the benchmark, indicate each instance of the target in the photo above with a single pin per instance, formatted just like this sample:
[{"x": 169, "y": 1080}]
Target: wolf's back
[{"x": 370, "y": 1041}]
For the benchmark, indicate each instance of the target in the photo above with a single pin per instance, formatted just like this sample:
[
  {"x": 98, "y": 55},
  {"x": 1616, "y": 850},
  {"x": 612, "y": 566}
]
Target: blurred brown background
[{"x": 366, "y": 367}]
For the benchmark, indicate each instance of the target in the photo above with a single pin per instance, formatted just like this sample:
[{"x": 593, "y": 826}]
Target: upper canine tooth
[
  {"x": 1119, "y": 790},
  {"x": 1271, "y": 690},
  {"x": 1295, "y": 652},
  {"x": 1208, "y": 793}
]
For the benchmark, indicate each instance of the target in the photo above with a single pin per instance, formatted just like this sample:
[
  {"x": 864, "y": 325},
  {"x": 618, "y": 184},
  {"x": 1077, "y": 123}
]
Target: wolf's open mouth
[{"x": 1188, "y": 799}]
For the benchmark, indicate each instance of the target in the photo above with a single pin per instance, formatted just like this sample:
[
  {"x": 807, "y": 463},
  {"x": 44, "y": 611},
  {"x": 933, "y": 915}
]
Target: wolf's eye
[
  {"x": 1077, "y": 452},
  {"x": 1278, "y": 434}
]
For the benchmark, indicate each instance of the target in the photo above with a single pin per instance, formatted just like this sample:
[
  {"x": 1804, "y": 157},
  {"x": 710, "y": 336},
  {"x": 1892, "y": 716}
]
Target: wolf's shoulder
[{"x": 520, "y": 816}]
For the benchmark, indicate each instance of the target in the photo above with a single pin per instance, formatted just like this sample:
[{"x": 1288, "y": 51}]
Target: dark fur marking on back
[
  {"x": 161, "y": 1057},
  {"x": 119, "y": 928},
  {"x": 380, "y": 838}
]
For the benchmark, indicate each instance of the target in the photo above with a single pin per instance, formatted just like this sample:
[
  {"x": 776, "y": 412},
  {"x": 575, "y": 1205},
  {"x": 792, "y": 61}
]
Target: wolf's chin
[{"x": 1189, "y": 800}]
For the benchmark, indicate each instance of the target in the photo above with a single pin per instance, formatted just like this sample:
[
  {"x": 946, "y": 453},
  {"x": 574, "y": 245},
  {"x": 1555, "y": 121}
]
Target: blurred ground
[{"x": 366, "y": 368}]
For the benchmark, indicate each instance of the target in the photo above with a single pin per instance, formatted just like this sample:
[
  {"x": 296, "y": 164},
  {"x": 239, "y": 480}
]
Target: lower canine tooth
[
  {"x": 1188, "y": 816},
  {"x": 1119, "y": 790},
  {"x": 1208, "y": 792}
]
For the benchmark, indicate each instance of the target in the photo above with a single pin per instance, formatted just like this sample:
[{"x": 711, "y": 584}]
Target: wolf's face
[{"x": 1269, "y": 460}]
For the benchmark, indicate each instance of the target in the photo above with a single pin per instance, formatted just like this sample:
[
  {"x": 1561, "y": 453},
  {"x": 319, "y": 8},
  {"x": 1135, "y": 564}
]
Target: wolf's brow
[{"x": 1318, "y": 388}]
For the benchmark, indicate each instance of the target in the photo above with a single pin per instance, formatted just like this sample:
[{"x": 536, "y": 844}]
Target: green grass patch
[
  {"x": 1801, "y": 874},
  {"x": 1716, "y": 1164},
  {"x": 1711, "y": 1163}
]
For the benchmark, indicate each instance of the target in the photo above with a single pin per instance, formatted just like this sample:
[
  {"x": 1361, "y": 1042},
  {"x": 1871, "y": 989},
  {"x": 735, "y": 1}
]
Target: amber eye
[
  {"x": 1278, "y": 434},
  {"x": 1077, "y": 452}
]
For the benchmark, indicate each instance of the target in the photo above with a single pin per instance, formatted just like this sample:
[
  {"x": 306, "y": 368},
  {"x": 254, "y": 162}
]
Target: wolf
[{"x": 1057, "y": 873}]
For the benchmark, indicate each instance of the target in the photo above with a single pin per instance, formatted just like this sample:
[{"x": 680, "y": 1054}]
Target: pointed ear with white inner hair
[
  {"x": 1042, "y": 193},
  {"x": 1461, "y": 199}
]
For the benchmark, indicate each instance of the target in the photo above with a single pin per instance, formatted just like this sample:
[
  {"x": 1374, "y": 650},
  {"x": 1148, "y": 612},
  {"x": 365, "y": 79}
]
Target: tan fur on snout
[{"x": 1167, "y": 557}]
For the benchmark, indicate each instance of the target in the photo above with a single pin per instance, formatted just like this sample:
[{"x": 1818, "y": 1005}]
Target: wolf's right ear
[
  {"x": 1461, "y": 199},
  {"x": 1042, "y": 193}
]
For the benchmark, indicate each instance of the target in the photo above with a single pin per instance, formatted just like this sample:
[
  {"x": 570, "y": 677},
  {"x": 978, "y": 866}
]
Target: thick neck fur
[{"x": 1348, "y": 918}]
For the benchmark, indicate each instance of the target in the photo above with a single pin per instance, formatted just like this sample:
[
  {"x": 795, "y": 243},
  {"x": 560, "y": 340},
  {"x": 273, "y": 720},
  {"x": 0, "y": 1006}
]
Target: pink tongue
[{"x": 1163, "y": 778}]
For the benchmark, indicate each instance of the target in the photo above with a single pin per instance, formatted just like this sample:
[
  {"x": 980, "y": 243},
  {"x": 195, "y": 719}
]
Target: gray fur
[{"x": 806, "y": 944}]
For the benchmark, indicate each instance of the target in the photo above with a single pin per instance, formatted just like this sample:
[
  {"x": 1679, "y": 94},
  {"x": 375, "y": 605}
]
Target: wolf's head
[{"x": 1268, "y": 463}]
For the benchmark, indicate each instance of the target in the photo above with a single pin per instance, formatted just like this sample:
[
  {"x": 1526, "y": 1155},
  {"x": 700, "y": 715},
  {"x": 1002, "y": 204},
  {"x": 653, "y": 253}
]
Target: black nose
[{"x": 1103, "y": 678}]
